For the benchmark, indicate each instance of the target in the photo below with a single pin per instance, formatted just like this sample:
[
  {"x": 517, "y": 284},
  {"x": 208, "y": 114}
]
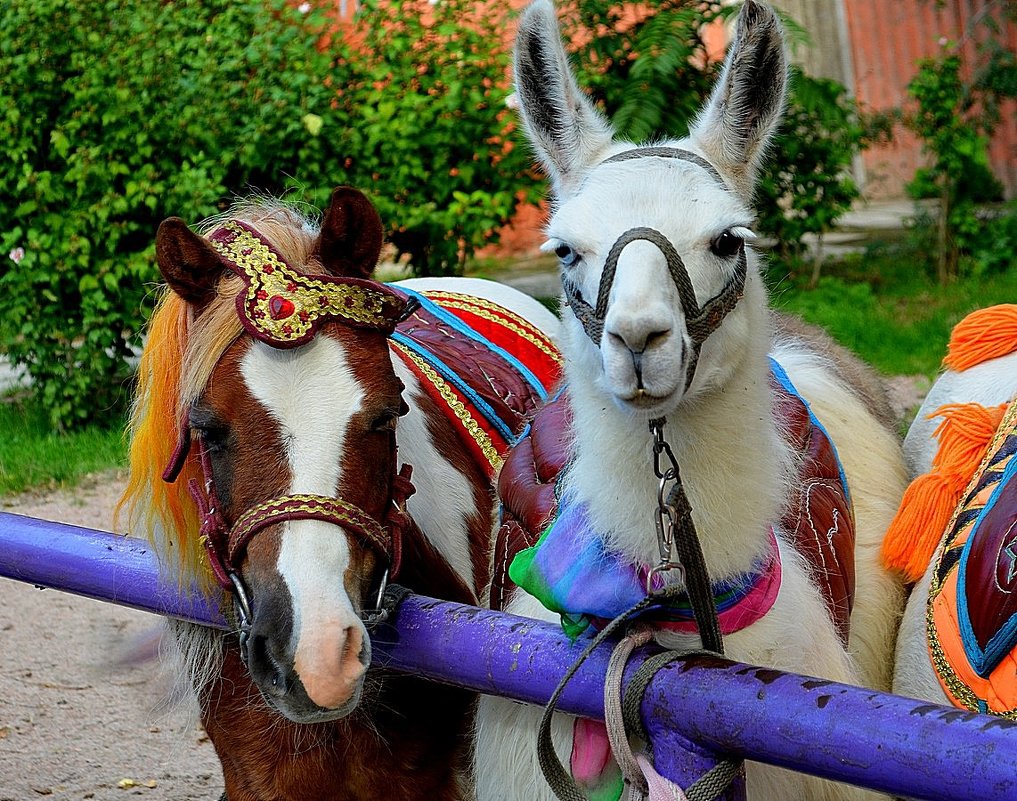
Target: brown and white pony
[
  {"x": 680, "y": 329},
  {"x": 274, "y": 351}
]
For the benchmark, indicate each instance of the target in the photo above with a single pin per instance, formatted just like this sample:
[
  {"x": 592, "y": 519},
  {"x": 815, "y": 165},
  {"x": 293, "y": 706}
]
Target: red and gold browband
[{"x": 283, "y": 307}]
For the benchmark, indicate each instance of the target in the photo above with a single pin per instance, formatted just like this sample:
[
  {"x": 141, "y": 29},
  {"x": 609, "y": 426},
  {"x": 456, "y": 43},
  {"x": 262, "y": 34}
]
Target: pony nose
[
  {"x": 332, "y": 664},
  {"x": 265, "y": 661}
]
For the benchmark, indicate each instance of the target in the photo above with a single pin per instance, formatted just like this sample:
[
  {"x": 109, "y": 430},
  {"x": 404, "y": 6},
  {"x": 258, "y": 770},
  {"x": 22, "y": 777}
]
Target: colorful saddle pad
[
  {"x": 971, "y": 617},
  {"x": 486, "y": 366}
]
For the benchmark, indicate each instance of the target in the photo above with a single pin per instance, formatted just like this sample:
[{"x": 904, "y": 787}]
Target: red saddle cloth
[
  {"x": 484, "y": 365},
  {"x": 819, "y": 517}
]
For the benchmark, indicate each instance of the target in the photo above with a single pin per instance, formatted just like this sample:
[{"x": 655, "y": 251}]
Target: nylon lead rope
[{"x": 717, "y": 779}]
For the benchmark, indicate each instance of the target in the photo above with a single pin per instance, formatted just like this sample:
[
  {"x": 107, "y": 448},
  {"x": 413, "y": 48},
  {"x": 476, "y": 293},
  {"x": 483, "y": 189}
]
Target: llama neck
[{"x": 732, "y": 459}]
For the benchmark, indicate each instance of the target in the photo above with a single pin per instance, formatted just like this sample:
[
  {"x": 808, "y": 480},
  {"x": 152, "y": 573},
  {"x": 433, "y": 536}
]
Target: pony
[
  {"x": 956, "y": 519},
  {"x": 671, "y": 350},
  {"x": 291, "y": 369}
]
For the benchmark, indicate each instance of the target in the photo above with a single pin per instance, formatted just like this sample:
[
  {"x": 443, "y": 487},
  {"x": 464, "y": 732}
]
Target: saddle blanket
[
  {"x": 971, "y": 617},
  {"x": 819, "y": 518},
  {"x": 486, "y": 367}
]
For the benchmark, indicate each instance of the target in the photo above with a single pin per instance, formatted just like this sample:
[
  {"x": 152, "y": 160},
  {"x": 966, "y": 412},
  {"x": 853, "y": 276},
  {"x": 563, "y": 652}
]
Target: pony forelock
[{"x": 180, "y": 353}]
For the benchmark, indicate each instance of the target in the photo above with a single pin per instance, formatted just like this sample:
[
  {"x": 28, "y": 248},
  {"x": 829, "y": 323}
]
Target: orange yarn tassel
[
  {"x": 929, "y": 502},
  {"x": 982, "y": 335}
]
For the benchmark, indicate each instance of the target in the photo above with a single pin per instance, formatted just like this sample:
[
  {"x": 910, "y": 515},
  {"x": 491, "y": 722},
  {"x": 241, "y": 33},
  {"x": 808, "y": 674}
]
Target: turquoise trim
[
  {"x": 984, "y": 661},
  {"x": 448, "y": 317},
  {"x": 785, "y": 381}
]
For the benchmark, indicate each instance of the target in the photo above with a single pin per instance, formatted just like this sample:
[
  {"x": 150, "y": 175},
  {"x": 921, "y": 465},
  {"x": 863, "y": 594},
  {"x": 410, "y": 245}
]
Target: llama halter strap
[
  {"x": 283, "y": 307},
  {"x": 700, "y": 321}
]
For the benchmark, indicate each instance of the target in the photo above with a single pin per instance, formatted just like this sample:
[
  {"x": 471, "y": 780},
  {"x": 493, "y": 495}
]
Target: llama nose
[{"x": 637, "y": 339}]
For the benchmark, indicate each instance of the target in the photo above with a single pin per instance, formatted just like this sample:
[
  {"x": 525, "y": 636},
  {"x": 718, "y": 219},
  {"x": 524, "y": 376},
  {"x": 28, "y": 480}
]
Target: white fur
[
  {"x": 989, "y": 384},
  {"x": 312, "y": 554},
  {"x": 736, "y": 466}
]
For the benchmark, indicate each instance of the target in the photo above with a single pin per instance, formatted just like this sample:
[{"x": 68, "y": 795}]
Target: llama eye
[
  {"x": 726, "y": 245},
  {"x": 566, "y": 255}
]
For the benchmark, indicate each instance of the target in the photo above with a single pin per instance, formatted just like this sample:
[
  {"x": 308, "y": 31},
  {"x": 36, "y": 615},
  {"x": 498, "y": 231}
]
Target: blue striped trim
[
  {"x": 1003, "y": 641},
  {"x": 785, "y": 381},
  {"x": 449, "y": 318}
]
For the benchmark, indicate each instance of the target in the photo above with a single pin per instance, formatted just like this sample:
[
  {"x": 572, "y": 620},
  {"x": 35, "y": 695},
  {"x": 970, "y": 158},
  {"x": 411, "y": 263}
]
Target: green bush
[
  {"x": 120, "y": 113},
  {"x": 431, "y": 139}
]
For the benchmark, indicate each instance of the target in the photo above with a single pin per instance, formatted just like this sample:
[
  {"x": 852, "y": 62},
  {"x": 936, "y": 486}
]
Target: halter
[
  {"x": 283, "y": 308},
  {"x": 700, "y": 322}
]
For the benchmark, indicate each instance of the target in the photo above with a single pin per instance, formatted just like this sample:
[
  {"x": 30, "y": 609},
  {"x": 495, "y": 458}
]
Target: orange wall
[{"x": 887, "y": 41}]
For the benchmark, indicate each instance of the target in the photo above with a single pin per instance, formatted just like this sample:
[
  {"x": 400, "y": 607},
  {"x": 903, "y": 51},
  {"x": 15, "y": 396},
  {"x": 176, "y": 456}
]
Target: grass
[
  {"x": 884, "y": 307},
  {"x": 33, "y": 455}
]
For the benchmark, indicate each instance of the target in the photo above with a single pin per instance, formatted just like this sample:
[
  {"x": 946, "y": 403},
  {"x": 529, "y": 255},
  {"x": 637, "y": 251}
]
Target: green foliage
[
  {"x": 119, "y": 113},
  {"x": 431, "y": 137},
  {"x": 957, "y": 109},
  {"x": 651, "y": 75},
  {"x": 878, "y": 304},
  {"x": 805, "y": 184}
]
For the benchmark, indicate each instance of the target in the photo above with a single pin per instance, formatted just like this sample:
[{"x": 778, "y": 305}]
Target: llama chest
[{"x": 818, "y": 519}]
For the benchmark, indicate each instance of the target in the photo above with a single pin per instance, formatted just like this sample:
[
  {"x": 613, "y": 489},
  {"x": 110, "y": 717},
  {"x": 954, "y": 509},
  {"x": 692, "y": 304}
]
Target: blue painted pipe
[{"x": 884, "y": 742}]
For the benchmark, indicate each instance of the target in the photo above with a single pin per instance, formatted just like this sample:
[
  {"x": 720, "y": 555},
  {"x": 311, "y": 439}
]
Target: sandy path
[{"x": 74, "y": 724}]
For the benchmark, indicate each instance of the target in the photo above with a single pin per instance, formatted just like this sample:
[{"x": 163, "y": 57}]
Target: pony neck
[{"x": 734, "y": 467}]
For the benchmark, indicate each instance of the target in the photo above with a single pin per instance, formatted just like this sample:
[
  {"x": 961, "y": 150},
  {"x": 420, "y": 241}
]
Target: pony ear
[
  {"x": 189, "y": 264},
  {"x": 351, "y": 235},
  {"x": 738, "y": 121},
  {"x": 565, "y": 128}
]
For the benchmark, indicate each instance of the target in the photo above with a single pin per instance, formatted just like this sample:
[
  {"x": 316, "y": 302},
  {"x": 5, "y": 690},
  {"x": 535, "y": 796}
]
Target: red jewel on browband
[{"x": 284, "y": 307}]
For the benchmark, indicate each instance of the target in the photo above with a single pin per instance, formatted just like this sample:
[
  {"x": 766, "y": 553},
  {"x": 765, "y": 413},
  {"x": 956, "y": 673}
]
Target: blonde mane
[{"x": 180, "y": 353}]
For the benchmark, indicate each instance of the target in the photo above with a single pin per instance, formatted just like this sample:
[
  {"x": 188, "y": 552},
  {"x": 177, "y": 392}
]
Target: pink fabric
[
  {"x": 591, "y": 752},
  {"x": 660, "y": 788}
]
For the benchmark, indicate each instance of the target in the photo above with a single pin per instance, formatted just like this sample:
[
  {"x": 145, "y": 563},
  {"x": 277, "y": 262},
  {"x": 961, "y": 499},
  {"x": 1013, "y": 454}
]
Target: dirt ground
[
  {"x": 75, "y": 721},
  {"x": 78, "y": 723}
]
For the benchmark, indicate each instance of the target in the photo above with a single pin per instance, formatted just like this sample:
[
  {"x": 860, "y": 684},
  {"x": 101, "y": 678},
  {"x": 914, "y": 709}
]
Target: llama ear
[
  {"x": 351, "y": 235},
  {"x": 189, "y": 264},
  {"x": 737, "y": 123},
  {"x": 564, "y": 126}
]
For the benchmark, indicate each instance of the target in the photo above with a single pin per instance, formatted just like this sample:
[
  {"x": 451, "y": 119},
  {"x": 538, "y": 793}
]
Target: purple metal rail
[{"x": 704, "y": 705}]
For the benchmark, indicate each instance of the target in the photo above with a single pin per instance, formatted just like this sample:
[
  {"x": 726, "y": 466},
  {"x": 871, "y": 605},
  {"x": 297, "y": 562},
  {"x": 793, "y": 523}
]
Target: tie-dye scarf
[{"x": 571, "y": 572}]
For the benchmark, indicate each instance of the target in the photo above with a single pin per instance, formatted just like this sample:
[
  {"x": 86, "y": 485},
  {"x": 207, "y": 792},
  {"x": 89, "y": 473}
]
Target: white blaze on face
[{"x": 311, "y": 393}]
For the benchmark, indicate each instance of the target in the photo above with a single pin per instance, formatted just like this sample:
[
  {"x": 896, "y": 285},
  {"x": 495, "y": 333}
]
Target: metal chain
[{"x": 666, "y": 515}]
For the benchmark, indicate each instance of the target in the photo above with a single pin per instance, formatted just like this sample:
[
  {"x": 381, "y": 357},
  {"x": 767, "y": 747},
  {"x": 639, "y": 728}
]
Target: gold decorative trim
[
  {"x": 466, "y": 419},
  {"x": 490, "y": 310},
  {"x": 961, "y": 693},
  {"x": 282, "y": 306}
]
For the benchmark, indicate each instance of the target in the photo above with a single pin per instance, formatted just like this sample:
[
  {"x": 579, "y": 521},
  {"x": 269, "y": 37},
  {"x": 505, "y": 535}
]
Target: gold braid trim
[
  {"x": 489, "y": 310},
  {"x": 283, "y": 305},
  {"x": 473, "y": 428}
]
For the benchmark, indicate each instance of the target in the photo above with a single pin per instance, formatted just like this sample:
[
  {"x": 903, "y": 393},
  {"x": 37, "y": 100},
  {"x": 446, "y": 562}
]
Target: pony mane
[{"x": 180, "y": 353}]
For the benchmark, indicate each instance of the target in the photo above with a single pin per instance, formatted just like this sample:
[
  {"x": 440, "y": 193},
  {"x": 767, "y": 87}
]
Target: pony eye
[
  {"x": 566, "y": 255},
  {"x": 386, "y": 421},
  {"x": 726, "y": 245}
]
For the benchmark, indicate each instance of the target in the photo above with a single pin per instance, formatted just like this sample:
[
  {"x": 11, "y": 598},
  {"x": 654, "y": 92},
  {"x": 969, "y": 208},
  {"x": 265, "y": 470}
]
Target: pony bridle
[
  {"x": 283, "y": 308},
  {"x": 677, "y": 540},
  {"x": 699, "y": 322}
]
